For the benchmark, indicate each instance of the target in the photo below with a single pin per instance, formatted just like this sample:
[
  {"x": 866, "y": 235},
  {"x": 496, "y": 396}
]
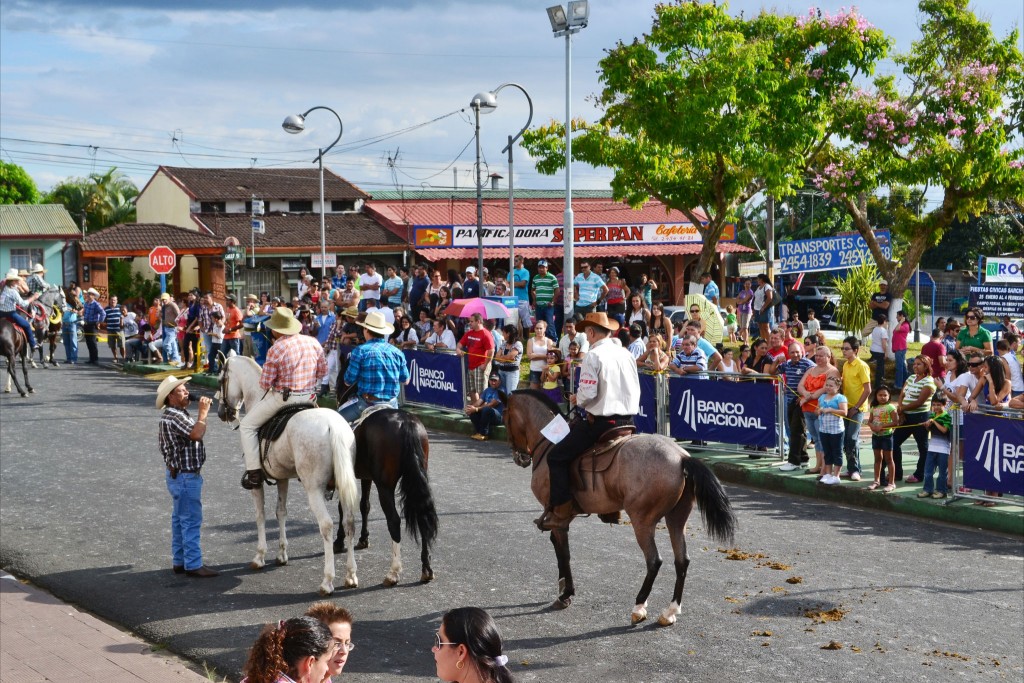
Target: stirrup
[{"x": 252, "y": 479}]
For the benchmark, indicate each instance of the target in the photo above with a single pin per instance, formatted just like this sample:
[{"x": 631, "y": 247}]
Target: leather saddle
[
  {"x": 599, "y": 457},
  {"x": 271, "y": 430}
]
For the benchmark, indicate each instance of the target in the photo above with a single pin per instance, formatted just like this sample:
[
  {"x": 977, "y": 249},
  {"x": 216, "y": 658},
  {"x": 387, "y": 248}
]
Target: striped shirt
[
  {"x": 10, "y": 299},
  {"x": 396, "y": 284},
  {"x": 112, "y": 316},
  {"x": 179, "y": 450},
  {"x": 829, "y": 423},
  {"x": 94, "y": 313},
  {"x": 793, "y": 372},
  {"x": 697, "y": 358},
  {"x": 544, "y": 287},
  {"x": 912, "y": 389},
  {"x": 590, "y": 288},
  {"x": 206, "y": 317},
  {"x": 378, "y": 369},
  {"x": 294, "y": 362}
]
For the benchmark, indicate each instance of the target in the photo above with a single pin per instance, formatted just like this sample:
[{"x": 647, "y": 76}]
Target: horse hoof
[
  {"x": 363, "y": 544},
  {"x": 255, "y": 566},
  {"x": 427, "y": 576},
  {"x": 324, "y": 590},
  {"x": 560, "y": 603},
  {"x": 281, "y": 563},
  {"x": 352, "y": 583},
  {"x": 340, "y": 548},
  {"x": 666, "y": 621},
  {"x": 389, "y": 582}
]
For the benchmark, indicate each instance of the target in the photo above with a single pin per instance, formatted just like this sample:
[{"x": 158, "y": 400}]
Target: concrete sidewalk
[{"x": 44, "y": 639}]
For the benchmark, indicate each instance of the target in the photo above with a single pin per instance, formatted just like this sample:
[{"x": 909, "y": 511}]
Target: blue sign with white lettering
[
  {"x": 829, "y": 253},
  {"x": 435, "y": 379},
  {"x": 723, "y": 411},
  {"x": 647, "y": 420},
  {"x": 994, "y": 453}
]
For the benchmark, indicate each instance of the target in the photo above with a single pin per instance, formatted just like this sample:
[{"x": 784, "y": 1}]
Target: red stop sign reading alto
[{"x": 162, "y": 260}]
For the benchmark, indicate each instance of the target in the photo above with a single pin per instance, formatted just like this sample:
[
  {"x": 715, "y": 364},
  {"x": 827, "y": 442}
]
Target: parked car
[{"x": 822, "y": 299}]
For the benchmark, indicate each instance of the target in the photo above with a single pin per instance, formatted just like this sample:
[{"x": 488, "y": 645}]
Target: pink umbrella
[{"x": 463, "y": 308}]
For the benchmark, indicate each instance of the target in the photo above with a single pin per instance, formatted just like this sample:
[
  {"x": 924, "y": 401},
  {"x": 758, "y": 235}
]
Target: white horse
[{"x": 316, "y": 444}]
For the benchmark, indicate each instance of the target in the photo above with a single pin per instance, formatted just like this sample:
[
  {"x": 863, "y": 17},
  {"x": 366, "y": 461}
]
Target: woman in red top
[
  {"x": 899, "y": 347},
  {"x": 618, "y": 292}
]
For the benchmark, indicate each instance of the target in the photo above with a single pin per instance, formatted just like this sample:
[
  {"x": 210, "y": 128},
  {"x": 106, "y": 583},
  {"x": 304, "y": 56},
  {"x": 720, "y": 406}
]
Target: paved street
[{"x": 84, "y": 513}]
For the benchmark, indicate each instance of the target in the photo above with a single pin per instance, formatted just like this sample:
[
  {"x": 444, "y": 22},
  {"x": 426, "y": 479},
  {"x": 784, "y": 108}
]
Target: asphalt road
[{"x": 84, "y": 513}]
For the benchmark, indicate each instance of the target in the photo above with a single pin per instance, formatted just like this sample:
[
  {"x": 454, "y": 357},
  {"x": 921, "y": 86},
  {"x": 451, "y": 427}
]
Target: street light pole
[
  {"x": 511, "y": 192},
  {"x": 485, "y": 102},
  {"x": 296, "y": 123},
  {"x": 565, "y": 23}
]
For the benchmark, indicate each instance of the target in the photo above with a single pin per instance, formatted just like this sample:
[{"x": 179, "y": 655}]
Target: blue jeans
[
  {"x": 509, "y": 380},
  {"x": 901, "y": 368},
  {"x": 851, "y": 441},
  {"x": 932, "y": 462},
  {"x": 186, "y": 518},
  {"x": 14, "y": 317},
  {"x": 546, "y": 312},
  {"x": 811, "y": 422},
  {"x": 214, "y": 350},
  {"x": 832, "y": 447},
  {"x": 69, "y": 335},
  {"x": 230, "y": 345},
  {"x": 485, "y": 420},
  {"x": 171, "y": 345},
  {"x": 353, "y": 410}
]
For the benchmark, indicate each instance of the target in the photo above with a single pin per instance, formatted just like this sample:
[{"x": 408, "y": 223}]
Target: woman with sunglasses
[
  {"x": 298, "y": 650},
  {"x": 973, "y": 335},
  {"x": 339, "y": 621},
  {"x": 467, "y": 648}
]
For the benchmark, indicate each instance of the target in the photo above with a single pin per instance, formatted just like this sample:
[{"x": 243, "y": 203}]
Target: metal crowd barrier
[{"x": 988, "y": 455}]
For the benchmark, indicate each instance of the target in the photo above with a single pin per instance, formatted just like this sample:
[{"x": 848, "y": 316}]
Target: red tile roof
[
  {"x": 350, "y": 232},
  {"x": 138, "y": 239},
  {"x": 240, "y": 184}
]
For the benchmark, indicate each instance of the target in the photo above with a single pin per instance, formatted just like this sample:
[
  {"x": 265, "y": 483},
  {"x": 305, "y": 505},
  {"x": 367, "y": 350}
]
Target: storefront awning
[{"x": 580, "y": 251}]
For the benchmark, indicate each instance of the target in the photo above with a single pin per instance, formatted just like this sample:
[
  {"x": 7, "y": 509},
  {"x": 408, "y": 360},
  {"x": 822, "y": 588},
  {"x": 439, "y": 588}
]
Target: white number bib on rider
[{"x": 556, "y": 430}]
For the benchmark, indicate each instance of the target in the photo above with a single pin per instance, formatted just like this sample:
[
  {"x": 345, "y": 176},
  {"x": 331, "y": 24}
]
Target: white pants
[{"x": 255, "y": 418}]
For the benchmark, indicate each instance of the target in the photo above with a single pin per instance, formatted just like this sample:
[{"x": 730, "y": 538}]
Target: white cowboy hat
[
  {"x": 92, "y": 291},
  {"x": 165, "y": 297},
  {"x": 169, "y": 384},
  {"x": 38, "y": 268},
  {"x": 375, "y": 322},
  {"x": 283, "y": 321},
  {"x": 12, "y": 274}
]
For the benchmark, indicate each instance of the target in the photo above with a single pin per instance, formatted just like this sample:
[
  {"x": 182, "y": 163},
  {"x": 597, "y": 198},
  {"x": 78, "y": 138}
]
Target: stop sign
[{"x": 162, "y": 260}]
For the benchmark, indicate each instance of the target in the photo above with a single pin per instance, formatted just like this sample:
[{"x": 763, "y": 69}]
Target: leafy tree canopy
[
  {"x": 104, "y": 198},
  {"x": 16, "y": 186}
]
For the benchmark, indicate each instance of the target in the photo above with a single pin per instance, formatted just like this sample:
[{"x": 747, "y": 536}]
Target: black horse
[
  {"x": 13, "y": 344},
  {"x": 392, "y": 452}
]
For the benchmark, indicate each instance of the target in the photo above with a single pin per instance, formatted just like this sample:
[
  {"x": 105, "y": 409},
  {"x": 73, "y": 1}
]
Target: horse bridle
[{"x": 226, "y": 411}]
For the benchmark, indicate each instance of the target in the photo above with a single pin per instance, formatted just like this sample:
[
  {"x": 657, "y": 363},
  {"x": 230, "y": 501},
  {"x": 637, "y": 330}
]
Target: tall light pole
[
  {"x": 296, "y": 123},
  {"x": 565, "y": 23},
  {"x": 484, "y": 102}
]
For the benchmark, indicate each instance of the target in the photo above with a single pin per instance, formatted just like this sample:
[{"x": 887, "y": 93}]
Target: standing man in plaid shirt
[
  {"x": 207, "y": 306},
  {"x": 291, "y": 374},
  {"x": 181, "y": 444},
  {"x": 377, "y": 368}
]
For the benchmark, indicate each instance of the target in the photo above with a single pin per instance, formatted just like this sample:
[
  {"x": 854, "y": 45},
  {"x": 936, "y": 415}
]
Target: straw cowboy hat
[
  {"x": 375, "y": 322},
  {"x": 598, "y": 320},
  {"x": 165, "y": 297},
  {"x": 251, "y": 297},
  {"x": 12, "y": 274},
  {"x": 283, "y": 321},
  {"x": 22, "y": 273},
  {"x": 38, "y": 268},
  {"x": 169, "y": 384},
  {"x": 351, "y": 312},
  {"x": 92, "y": 291}
]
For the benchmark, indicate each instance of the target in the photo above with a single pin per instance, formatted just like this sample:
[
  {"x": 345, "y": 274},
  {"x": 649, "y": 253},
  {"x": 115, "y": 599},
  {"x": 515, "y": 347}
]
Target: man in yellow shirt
[{"x": 857, "y": 390}]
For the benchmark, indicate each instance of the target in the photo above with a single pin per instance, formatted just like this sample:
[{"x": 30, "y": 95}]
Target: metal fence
[{"x": 999, "y": 453}]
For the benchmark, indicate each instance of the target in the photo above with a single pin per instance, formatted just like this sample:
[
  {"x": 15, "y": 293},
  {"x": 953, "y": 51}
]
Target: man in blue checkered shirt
[{"x": 376, "y": 368}]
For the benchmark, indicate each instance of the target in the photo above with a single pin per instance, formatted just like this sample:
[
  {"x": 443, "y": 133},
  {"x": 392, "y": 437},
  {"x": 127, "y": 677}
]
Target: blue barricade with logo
[
  {"x": 435, "y": 379},
  {"x": 994, "y": 453},
  {"x": 646, "y": 420},
  {"x": 722, "y": 411}
]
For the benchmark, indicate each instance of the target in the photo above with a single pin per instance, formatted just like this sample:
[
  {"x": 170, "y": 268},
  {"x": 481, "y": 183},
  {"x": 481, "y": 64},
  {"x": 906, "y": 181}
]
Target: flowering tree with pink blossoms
[
  {"x": 708, "y": 109},
  {"x": 952, "y": 121}
]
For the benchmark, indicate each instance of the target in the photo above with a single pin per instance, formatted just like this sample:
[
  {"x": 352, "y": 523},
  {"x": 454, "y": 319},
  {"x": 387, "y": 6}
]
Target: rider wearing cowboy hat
[
  {"x": 609, "y": 390},
  {"x": 376, "y": 368},
  {"x": 10, "y": 300},
  {"x": 35, "y": 282},
  {"x": 291, "y": 374}
]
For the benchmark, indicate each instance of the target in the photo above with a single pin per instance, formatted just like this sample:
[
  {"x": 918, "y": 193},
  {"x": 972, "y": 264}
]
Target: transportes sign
[{"x": 829, "y": 253}]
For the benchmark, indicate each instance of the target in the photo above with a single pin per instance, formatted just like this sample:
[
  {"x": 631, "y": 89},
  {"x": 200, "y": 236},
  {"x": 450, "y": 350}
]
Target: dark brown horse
[
  {"x": 651, "y": 478},
  {"x": 47, "y": 314},
  {"x": 13, "y": 344},
  {"x": 392, "y": 452}
]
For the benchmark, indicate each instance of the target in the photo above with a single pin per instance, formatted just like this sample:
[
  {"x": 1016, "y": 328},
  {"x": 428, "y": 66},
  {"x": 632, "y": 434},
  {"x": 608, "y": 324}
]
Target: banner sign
[
  {"x": 548, "y": 235},
  {"x": 435, "y": 379},
  {"x": 994, "y": 453},
  {"x": 1008, "y": 270},
  {"x": 999, "y": 300},
  {"x": 829, "y": 253},
  {"x": 723, "y": 411},
  {"x": 646, "y": 420},
  {"x": 332, "y": 261}
]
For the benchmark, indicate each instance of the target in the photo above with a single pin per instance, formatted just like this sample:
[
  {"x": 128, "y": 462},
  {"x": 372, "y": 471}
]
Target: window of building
[
  {"x": 343, "y": 205},
  {"x": 300, "y": 207},
  {"x": 24, "y": 259},
  {"x": 212, "y": 207}
]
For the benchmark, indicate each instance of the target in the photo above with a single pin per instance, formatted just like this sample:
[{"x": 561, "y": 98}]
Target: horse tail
[
  {"x": 715, "y": 508},
  {"x": 343, "y": 456},
  {"x": 414, "y": 487}
]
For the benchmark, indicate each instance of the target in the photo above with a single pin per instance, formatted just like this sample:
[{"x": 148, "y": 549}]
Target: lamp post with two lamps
[
  {"x": 565, "y": 22},
  {"x": 486, "y": 103},
  {"x": 296, "y": 123}
]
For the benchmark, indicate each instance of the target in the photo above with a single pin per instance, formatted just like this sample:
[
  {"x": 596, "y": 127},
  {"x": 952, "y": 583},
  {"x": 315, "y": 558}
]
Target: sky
[{"x": 90, "y": 84}]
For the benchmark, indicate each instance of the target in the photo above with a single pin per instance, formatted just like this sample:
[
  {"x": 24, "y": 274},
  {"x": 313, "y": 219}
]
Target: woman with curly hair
[
  {"x": 298, "y": 650},
  {"x": 467, "y": 648}
]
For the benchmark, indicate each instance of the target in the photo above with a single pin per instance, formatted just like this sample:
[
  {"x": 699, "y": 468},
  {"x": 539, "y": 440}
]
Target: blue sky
[{"x": 85, "y": 85}]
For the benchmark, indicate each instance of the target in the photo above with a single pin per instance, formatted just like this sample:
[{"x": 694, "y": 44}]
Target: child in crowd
[
  {"x": 882, "y": 421},
  {"x": 832, "y": 409},
  {"x": 813, "y": 325},
  {"x": 938, "y": 449},
  {"x": 551, "y": 377},
  {"x": 216, "y": 340},
  {"x": 730, "y": 322}
]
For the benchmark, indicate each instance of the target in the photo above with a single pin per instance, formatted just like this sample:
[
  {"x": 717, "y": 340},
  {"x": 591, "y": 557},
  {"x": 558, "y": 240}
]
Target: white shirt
[
  {"x": 367, "y": 279},
  {"x": 609, "y": 383},
  {"x": 877, "y": 336},
  {"x": 967, "y": 380},
  {"x": 446, "y": 338},
  {"x": 637, "y": 348},
  {"x": 580, "y": 338},
  {"x": 812, "y": 327},
  {"x": 1016, "y": 380},
  {"x": 533, "y": 347}
]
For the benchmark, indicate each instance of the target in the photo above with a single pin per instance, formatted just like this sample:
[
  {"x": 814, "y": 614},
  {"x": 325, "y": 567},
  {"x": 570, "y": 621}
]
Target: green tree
[
  {"x": 708, "y": 110},
  {"x": 989, "y": 234},
  {"x": 955, "y": 126},
  {"x": 16, "y": 186},
  {"x": 104, "y": 198}
]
